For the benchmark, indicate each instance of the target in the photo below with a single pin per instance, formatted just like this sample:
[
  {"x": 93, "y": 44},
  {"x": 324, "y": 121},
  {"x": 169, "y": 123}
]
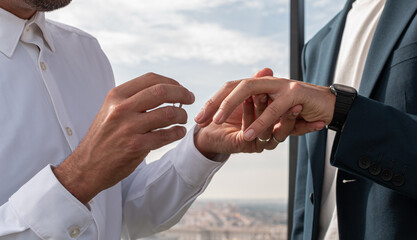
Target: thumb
[{"x": 264, "y": 73}]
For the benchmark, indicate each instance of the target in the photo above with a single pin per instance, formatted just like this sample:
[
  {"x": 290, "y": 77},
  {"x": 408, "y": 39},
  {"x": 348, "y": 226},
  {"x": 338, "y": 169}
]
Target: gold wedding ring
[{"x": 276, "y": 140}]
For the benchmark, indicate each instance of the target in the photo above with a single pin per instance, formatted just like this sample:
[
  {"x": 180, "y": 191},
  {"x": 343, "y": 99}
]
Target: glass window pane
[
  {"x": 318, "y": 13},
  {"x": 203, "y": 44}
]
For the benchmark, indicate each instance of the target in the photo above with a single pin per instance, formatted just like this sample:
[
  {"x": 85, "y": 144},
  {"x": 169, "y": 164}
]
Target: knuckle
[
  {"x": 261, "y": 122},
  {"x": 113, "y": 93},
  {"x": 134, "y": 144},
  {"x": 245, "y": 83},
  {"x": 169, "y": 113},
  {"x": 150, "y": 75},
  {"x": 163, "y": 135},
  {"x": 274, "y": 110},
  {"x": 116, "y": 111},
  {"x": 226, "y": 103},
  {"x": 159, "y": 91},
  {"x": 294, "y": 85},
  {"x": 228, "y": 85},
  {"x": 248, "y": 83},
  {"x": 125, "y": 129},
  {"x": 210, "y": 102}
]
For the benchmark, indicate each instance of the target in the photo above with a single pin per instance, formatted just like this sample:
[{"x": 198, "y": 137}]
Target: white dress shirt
[
  {"x": 360, "y": 26},
  {"x": 53, "y": 81}
]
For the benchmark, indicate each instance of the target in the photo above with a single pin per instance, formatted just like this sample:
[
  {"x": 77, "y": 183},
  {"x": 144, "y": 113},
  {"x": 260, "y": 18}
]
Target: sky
[{"x": 203, "y": 44}]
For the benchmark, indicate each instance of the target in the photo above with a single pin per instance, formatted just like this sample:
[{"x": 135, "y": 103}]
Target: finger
[
  {"x": 158, "y": 94},
  {"x": 261, "y": 102},
  {"x": 272, "y": 144},
  {"x": 302, "y": 127},
  {"x": 156, "y": 139},
  {"x": 138, "y": 84},
  {"x": 248, "y": 115},
  {"x": 246, "y": 88},
  {"x": 273, "y": 112},
  {"x": 263, "y": 73},
  {"x": 283, "y": 129},
  {"x": 294, "y": 112},
  {"x": 211, "y": 106},
  {"x": 160, "y": 118}
]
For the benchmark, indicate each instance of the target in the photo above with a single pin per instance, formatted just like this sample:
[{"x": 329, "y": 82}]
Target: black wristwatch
[{"x": 345, "y": 96}]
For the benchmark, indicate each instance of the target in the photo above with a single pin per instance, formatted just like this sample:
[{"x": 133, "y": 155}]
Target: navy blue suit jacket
[{"x": 378, "y": 146}]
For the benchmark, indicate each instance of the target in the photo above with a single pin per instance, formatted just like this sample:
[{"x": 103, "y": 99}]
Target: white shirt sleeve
[
  {"x": 43, "y": 208},
  {"x": 157, "y": 195}
]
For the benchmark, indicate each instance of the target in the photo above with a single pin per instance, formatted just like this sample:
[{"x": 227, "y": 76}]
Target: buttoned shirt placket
[{"x": 30, "y": 36}]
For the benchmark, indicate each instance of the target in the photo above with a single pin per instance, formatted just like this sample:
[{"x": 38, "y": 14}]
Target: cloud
[{"x": 132, "y": 32}]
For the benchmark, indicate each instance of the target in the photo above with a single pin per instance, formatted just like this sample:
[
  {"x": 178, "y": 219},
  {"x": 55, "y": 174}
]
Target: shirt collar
[{"x": 11, "y": 29}]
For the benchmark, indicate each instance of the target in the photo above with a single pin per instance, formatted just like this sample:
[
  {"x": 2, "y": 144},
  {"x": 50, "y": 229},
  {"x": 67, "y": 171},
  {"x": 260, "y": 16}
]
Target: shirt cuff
[
  {"x": 49, "y": 209},
  {"x": 193, "y": 166}
]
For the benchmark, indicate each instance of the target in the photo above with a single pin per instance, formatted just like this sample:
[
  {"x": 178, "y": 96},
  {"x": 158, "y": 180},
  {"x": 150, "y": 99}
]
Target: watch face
[{"x": 344, "y": 88}]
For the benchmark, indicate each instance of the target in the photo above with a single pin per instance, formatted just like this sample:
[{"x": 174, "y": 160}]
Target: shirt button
[
  {"x": 74, "y": 232},
  {"x": 69, "y": 131},
  {"x": 27, "y": 29},
  {"x": 43, "y": 66},
  {"x": 91, "y": 201}
]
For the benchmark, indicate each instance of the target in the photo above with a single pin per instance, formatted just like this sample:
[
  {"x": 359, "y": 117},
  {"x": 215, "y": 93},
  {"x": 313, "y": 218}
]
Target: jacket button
[
  {"x": 311, "y": 198},
  {"x": 374, "y": 169},
  {"x": 387, "y": 175},
  {"x": 398, "y": 180},
  {"x": 364, "y": 162}
]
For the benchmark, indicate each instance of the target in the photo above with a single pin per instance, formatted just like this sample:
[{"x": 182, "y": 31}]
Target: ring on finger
[
  {"x": 276, "y": 140},
  {"x": 263, "y": 140}
]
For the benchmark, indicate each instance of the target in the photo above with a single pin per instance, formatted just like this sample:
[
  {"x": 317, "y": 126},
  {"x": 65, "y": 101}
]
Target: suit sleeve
[{"x": 379, "y": 143}]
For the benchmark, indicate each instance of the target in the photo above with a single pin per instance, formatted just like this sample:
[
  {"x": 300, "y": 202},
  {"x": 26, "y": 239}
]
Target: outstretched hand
[{"x": 227, "y": 136}]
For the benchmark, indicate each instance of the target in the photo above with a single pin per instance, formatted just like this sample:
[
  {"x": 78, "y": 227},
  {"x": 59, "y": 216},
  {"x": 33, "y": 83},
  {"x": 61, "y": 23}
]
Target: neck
[{"x": 18, "y": 8}]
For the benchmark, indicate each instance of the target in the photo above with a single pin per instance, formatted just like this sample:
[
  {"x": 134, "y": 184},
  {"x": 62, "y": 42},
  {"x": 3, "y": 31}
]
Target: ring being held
[{"x": 263, "y": 140}]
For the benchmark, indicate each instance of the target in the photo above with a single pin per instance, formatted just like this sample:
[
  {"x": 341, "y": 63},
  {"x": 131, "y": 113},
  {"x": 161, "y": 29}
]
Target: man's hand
[
  {"x": 227, "y": 137},
  {"x": 122, "y": 134},
  {"x": 317, "y": 103}
]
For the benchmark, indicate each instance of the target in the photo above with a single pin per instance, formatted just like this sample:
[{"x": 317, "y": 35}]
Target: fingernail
[
  {"x": 295, "y": 114},
  {"x": 264, "y": 99},
  {"x": 218, "y": 117},
  {"x": 199, "y": 116},
  {"x": 249, "y": 135}
]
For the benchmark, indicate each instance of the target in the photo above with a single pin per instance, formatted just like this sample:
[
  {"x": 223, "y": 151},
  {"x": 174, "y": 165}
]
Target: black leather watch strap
[{"x": 344, "y": 99}]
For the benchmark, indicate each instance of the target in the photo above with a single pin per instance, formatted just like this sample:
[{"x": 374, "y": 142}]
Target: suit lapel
[
  {"x": 394, "y": 18},
  {"x": 329, "y": 49}
]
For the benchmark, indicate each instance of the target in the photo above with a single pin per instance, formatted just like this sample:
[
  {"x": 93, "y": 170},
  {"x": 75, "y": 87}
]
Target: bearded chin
[{"x": 47, "y": 5}]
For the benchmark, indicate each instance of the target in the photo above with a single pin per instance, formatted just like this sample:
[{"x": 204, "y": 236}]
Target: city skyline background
[{"x": 202, "y": 44}]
